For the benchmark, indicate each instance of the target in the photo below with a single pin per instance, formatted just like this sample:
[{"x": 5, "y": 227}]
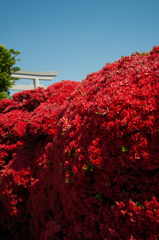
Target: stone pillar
[{"x": 36, "y": 83}]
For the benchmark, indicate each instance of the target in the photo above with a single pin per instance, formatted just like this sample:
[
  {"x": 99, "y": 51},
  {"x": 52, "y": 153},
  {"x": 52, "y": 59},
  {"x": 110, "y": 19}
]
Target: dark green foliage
[{"x": 7, "y": 62}]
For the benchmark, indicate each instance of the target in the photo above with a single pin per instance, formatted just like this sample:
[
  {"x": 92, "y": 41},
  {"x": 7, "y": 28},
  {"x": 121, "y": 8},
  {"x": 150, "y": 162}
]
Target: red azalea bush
[
  {"x": 25, "y": 122},
  {"x": 86, "y": 166}
]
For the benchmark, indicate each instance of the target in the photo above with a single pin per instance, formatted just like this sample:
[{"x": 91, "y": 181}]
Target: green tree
[{"x": 7, "y": 66}]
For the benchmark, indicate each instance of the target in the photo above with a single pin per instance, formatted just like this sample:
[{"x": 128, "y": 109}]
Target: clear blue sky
[{"x": 76, "y": 37}]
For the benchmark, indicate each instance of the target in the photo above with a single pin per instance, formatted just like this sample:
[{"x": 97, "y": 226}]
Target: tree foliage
[{"x": 7, "y": 66}]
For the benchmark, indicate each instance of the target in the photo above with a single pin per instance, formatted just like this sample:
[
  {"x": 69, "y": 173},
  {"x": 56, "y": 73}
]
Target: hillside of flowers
[{"x": 81, "y": 160}]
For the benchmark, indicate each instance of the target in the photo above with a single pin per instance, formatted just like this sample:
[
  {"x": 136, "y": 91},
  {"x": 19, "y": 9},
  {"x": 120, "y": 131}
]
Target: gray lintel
[{"x": 33, "y": 75}]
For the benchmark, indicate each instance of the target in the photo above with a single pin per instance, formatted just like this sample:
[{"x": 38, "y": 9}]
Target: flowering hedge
[{"x": 80, "y": 160}]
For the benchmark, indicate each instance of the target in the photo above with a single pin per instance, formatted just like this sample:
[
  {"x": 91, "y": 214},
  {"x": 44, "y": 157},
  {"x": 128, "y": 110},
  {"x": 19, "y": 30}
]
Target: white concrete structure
[{"x": 35, "y": 76}]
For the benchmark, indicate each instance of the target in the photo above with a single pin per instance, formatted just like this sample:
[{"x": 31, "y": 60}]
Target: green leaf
[
  {"x": 143, "y": 53},
  {"x": 85, "y": 168},
  {"x": 105, "y": 112},
  {"x": 48, "y": 162},
  {"x": 92, "y": 168},
  {"x": 68, "y": 180},
  {"x": 99, "y": 196},
  {"x": 69, "y": 153},
  {"x": 88, "y": 163},
  {"x": 124, "y": 149}
]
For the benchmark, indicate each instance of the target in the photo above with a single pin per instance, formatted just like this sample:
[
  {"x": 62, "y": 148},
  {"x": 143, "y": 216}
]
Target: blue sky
[{"x": 76, "y": 37}]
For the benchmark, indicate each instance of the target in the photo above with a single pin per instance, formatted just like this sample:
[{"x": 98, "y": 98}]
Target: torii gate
[{"x": 35, "y": 76}]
